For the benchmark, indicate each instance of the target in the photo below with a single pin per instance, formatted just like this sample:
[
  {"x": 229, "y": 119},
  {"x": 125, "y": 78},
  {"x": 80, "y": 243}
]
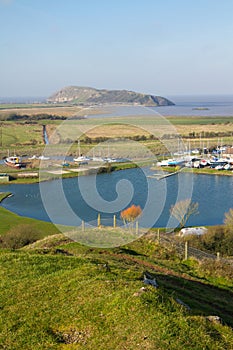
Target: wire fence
[{"x": 184, "y": 249}]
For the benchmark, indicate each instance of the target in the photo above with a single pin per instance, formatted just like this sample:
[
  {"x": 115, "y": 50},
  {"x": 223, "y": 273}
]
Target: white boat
[
  {"x": 98, "y": 159},
  {"x": 164, "y": 162},
  {"x": 33, "y": 157},
  {"x": 203, "y": 163},
  {"x": 195, "y": 151},
  {"x": 80, "y": 157},
  {"x": 43, "y": 157},
  {"x": 196, "y": 164},
  {"x": 219, "y": 167},
  {"x": 227, "y": 166},
  {"x": 110, "y": 160},
  {"x": 13, "y": 161}
]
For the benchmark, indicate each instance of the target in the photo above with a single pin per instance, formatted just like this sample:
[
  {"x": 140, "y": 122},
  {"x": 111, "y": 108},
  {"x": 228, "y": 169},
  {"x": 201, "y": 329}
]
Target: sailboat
[{"x": 80, "y": 157}]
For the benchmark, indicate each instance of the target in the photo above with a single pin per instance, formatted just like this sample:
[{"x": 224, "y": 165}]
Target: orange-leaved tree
[{"x": 131, "y": 213}]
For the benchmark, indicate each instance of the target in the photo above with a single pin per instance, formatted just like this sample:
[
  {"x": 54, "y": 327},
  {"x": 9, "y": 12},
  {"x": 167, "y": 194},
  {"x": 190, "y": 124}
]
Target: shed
[{"x": 4, "y": 178}]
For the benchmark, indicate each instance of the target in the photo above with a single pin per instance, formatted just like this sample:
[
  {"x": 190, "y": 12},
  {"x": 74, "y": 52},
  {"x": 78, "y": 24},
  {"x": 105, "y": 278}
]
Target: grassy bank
[
  {"x": 203, "y": 171},
  {"x": 4, "y": 195},
  {"x": 10, "y": 221},
  {"x": 45, "y": 175},
  {"x": 68, "y": 296}
]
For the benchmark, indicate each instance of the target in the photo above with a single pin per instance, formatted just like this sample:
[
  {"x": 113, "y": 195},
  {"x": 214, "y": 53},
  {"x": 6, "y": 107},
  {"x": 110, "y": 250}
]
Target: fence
[{"x": 186, "y": 250}]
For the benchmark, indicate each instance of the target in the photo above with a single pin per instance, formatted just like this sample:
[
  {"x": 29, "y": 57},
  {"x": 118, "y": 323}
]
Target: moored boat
[{"x": 13, "y": 161}]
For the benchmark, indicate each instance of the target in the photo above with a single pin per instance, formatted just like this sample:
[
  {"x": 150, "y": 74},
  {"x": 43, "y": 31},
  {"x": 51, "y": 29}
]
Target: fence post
[
  {"x": 158, "y": 235},
  {"x": 98, "y": 221},
  {"x": 186, "y": 249},
  {"x": 218, "y": 256},
  {"x": 136, "y": 227},
  {"x": 114, "y": 221},
  {"x": 83, "y": 225}
]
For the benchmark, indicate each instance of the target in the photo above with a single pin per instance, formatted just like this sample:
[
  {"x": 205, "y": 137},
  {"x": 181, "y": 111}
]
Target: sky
[{"x": 161, "y": 47}]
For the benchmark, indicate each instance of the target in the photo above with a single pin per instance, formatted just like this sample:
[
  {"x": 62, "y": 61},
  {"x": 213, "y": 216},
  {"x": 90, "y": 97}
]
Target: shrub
[
  {"x": 216, "y": 268},
  {"x": 217, "y": 239},
  {"x": 19, "y": 236}
]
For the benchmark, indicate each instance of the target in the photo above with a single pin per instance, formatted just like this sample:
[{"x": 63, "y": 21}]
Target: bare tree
[{"x": 182, "y": 210}]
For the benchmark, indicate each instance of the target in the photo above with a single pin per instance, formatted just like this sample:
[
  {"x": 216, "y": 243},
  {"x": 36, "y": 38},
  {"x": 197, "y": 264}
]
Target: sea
[
  {"x": 185, "y": 105},
  {"x": 199, "y": 105}
]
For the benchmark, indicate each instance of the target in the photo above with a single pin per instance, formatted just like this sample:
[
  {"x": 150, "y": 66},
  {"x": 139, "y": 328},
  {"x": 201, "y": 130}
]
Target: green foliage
[
  {"x": 216, "y": 268},
  {"x": 217, "y": 239},
  {"x": 42, "y": 116}
]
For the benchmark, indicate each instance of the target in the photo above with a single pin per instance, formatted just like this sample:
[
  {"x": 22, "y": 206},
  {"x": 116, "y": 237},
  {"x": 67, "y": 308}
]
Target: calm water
[
  {"x": 76, "y": 199},
  {"x": 217, "y": 105}
]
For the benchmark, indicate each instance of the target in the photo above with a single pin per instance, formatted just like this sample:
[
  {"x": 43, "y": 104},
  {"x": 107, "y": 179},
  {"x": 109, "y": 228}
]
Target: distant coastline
[{"x": 203, "y": 105}]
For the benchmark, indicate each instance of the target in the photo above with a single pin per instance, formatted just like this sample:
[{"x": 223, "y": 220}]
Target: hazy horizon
[{"x": 155, "y": 47}]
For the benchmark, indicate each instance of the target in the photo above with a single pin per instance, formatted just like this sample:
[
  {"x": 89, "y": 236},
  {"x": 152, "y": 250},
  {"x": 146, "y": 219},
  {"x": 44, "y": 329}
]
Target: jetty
[{"x": 160, "y": 177}]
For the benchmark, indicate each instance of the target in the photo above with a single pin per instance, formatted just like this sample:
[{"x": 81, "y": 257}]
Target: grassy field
[
  {"x": 62, "y": 295},
  {"x": 25, "y": 136}
]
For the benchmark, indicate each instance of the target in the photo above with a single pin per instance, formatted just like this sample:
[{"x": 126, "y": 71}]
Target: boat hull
[{"x": 13, "y": 165}]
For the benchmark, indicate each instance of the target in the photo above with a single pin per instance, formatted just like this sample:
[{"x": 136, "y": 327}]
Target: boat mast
[{"x": 79, "y": 151}]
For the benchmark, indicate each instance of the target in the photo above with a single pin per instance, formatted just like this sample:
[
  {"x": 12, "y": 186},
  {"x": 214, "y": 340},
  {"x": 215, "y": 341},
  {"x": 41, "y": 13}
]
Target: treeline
[
  {"x": 99, "y": 139},
  {"x": 26, "y": 117},
  {"x": 207, "y": 134},
  {"x": 197, "y": 135}
]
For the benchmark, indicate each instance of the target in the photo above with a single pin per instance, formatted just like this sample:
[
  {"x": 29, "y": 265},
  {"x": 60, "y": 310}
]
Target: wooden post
[
  {"x": 83, "y": 225},
  {"x": 158, "y": 235},
  {"x": 186, "y": 248},
  {"x": 114, "y": 221},
  {"x": 1, "y": 135},
  {"x": 136, "y": 227},
  {"x": 218, "y": 256},
  {"x": 98, "y": 221}
]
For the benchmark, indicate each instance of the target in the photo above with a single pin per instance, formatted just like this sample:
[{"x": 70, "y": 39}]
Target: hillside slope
[
  {"x": 59, "y": 295},
  {"x": 87, "y": 96}
]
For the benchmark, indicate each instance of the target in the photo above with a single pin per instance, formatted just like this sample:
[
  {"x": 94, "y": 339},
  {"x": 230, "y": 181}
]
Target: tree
[
  {"x": 131, "y": 213},
  {"x": 182, "y": 211}
]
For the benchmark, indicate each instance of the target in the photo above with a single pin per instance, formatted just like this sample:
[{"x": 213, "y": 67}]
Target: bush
[
  {"x": 216, "y": 268},
  {"x": 19, "y": 237},
  {"x": 217, "y": 239}
]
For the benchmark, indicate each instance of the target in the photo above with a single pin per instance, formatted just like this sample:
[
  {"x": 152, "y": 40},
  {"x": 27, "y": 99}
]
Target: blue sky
[{"x": 165, "y": 47}]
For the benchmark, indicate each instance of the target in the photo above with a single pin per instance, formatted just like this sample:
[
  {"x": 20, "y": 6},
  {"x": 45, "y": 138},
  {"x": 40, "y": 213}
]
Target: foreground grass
[{"x": 59, "y": 295}]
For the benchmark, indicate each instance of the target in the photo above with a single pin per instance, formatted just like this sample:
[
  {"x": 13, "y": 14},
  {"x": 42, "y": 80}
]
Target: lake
[{"x": 69, "y": 201}]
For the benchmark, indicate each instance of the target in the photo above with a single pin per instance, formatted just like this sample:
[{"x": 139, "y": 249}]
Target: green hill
[
  {"x": 57, "y": 294},
  {"x": 89, "y": 96}
]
